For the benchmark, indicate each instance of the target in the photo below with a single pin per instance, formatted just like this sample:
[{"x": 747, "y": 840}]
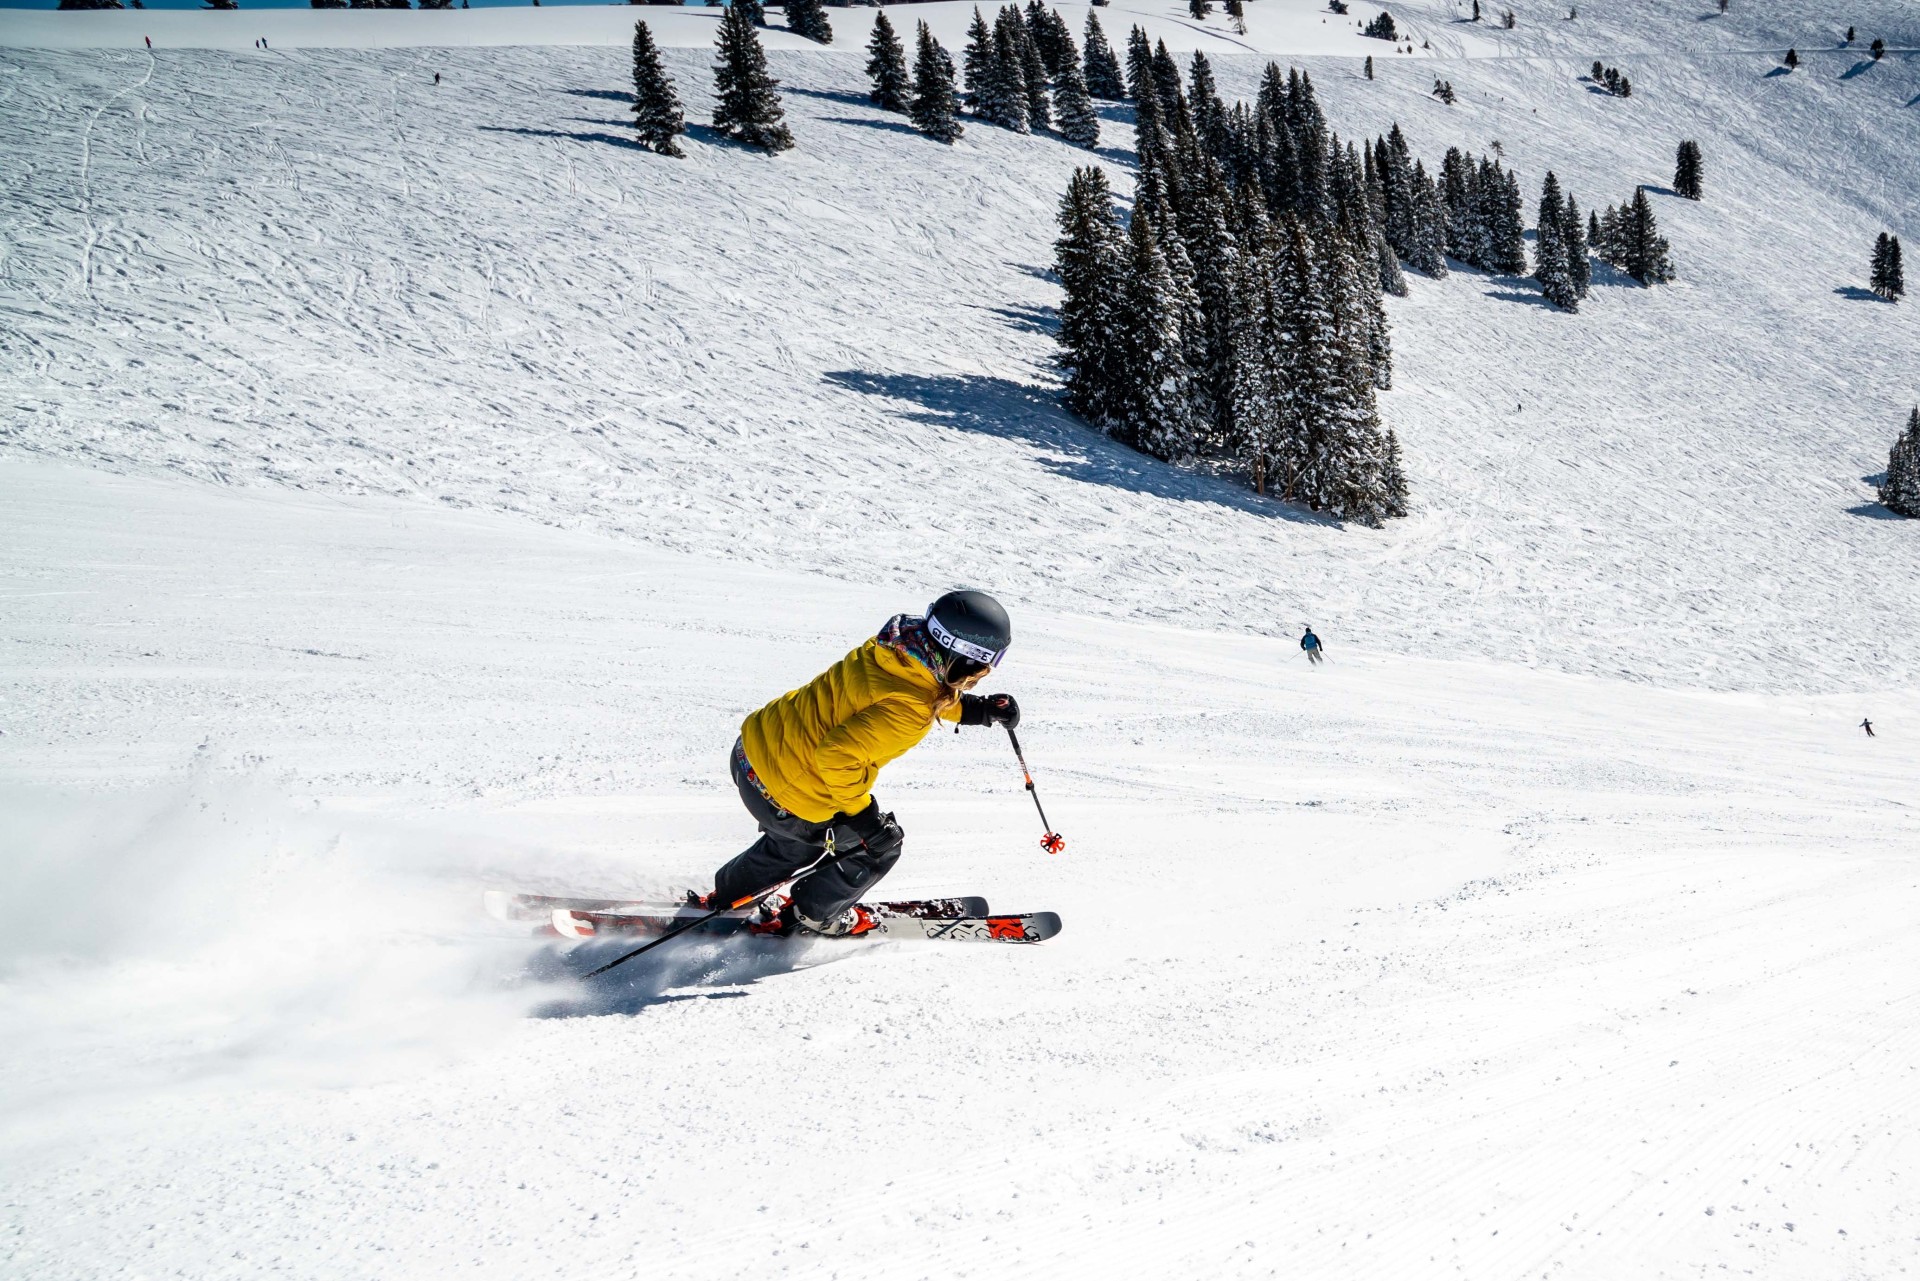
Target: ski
[
  {"x": 1030, "y": 927},
  {"x": 503, "y": 905},
  {"x": 1027, "y": 927}
]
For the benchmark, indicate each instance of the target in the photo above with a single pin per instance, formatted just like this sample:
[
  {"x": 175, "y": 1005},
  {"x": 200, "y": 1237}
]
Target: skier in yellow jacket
[{"x": 805, "y": 763}]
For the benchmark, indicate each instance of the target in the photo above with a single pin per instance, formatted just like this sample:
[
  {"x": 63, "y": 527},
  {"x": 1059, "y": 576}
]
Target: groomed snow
[
  {"x": 405, "y": 490},
  {"x": 1391, "y": 968}
]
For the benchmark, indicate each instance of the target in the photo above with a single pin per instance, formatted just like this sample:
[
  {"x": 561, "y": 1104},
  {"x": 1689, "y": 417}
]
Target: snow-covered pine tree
[
  {"x": 1393, "y": 477},
  {"x": 1888, "y": 275},
  {"x": 887, "y": 67},
  {"x": 808, "y": 18},
  {"x": 1429, "y": 254},
  {"x": 1003, "y": 99},
  {"x": 756, "y": 11},
  {"x": 1310, "y": 143},
  {"x": 1550, "y": 248},
  {"x": 1643, "y": 248},
  {"x": 1073, "y": 111},
  {"x": 746, "y": 96},
  {"x": 1215, "y": 254},
  {"x": 1156, "y": 397},
  {"x": 1061, "y": 39},
  {"x": 1173, "y": 94},
  {"x": 1209, "y": 113},
  {"x": 1089, "y": 257},
  {"x": 1373, "y": 308},
  {"x": 1102, "y": 68},
  {"x": 1900, "y": 491},
  {"x": 1394, "y": 160},
  {"x": 1260, "y": 387},
  {"x": 1041, "y": 30},
  {"x": 1508, "y": 226},
  {"x": 1454, "y": 172},
  {"x": 1603, "y": 232},
  {"x": 1199, "y": 9},
  {"x": 1339, "y": 443},
  {"x": 1139, "y": 63},
  {"x": 1688, "y": 170},
  {"x": 1237, "y": 12},
  {"x": 979, "y": 63},
  {"x": 1033, "y": 71},
  {"x": 1573, "y": 233},
  {"x": 935, "y": 107},
  {"x": 657, "y": 118}
]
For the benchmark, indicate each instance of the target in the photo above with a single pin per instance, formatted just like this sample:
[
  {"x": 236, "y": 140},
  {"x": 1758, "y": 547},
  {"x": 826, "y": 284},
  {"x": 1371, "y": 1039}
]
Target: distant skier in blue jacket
[{"x": 1311, "y": 644}]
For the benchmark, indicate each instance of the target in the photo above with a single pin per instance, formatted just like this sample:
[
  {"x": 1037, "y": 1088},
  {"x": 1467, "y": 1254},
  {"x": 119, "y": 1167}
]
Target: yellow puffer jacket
[{"x": 818, "y": 748}]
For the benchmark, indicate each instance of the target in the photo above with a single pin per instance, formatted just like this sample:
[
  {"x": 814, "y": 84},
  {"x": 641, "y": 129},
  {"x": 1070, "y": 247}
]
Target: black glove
[
  {"x": 992, "y": 709},
  {"x": 878, "y": 832}
]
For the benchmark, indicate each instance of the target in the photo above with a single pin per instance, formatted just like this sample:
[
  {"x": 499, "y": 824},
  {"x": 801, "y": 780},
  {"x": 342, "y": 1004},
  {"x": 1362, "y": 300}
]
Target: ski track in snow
[
  {"x": 428, "y": 482},
  {"x": 331, "y": 274}
]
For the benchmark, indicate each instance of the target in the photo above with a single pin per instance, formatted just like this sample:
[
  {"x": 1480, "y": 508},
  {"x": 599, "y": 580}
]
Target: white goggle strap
[{"x": 965, "y": 648}]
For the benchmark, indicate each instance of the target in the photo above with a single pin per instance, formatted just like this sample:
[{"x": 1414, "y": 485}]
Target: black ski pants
[{"x": 788, "y": 843}]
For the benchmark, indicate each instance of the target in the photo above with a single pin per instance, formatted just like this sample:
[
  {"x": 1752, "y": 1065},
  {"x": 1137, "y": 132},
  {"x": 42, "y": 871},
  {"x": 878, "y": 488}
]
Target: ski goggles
[{"x": 965, "y": 648}]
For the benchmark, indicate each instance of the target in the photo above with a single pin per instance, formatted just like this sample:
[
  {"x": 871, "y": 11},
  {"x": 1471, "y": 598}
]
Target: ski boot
[{"x": 854, "y": 921}]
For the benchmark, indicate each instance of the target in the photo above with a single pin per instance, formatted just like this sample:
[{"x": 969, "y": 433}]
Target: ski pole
[
  {"x": 693, "y": 922},
  {"x": 1052, "y": 842}
]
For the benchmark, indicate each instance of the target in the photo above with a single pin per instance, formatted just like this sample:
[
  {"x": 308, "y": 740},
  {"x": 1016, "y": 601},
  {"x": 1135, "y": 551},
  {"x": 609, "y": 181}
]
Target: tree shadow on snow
[
  {"x": 1015, "y": 411},
  {"x": 1855, "y": 293},
  {"x": 686, "y": 969},
  {"x": 1032, "y": 320},
  {"x": 1859, "y": 68},
  {"x": 1522, "y": 296},
  {"x": 890, "y": 126},
  {"x": 610, "y": 139},
  {"x": 1778, "y": 71},
  {"x": 832, "y": 95},
  {"x": 1874, "y": 511},
  {"x": 605, "y": 95}
]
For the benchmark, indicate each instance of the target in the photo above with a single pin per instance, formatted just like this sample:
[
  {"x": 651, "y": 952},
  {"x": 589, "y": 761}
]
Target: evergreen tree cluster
[
  {"x": 746, "y": 96},
  {"x": 1887, "y": 278},
  {"x": 1688, "y": 171},
  {"x": 935, "y": 108},
  {"x": 1482, "y": 204},
  {"x": 1611, "y": 79},
  {"x": 1382, "y": 28},
  {"x": 1443, "y": 90},
  {"x": 1560, "y": 248},
  {"x": 1630, "y": 239},
  {"x": 1024, "y": 73},
  {"x": 1237, "y": 319},
  {"x": 808, "y": 18},
  {"x": 1900, "y": 491}
]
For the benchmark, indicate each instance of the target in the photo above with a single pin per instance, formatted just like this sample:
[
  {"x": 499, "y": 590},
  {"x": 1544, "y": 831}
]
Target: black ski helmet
[{"x": 971, "y": 629}]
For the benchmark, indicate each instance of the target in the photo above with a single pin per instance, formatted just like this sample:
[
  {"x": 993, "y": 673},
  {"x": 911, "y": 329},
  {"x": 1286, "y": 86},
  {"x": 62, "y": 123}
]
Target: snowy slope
[
  {"x": 316, "y": 268},
  {"x": 405, "y": 490},
  {"x": 1521, "y": 972}
]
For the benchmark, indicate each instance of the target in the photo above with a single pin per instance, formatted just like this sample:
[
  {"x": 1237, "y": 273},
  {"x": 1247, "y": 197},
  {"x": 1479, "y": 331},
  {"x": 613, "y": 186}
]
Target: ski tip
[
  {"x": 571, "y": 925},
  {"x": 1039, "y": 926}
]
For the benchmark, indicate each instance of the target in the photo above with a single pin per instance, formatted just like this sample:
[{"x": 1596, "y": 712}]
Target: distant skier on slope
[
  {"x": 805, "y": 763},
  {"x": 1867, "y": 725},
  {"x": 1311, "y": 644}
]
